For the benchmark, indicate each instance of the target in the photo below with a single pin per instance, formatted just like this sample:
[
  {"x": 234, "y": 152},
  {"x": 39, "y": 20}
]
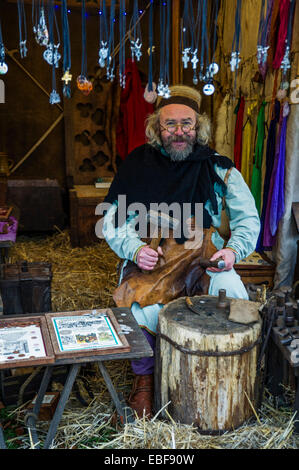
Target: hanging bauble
[
  {"x": 84, "y": 85},
  {"x": 3, "y": 68},
  {"x": 150, "y": 96},
  {"x": 208, "y": 89}
]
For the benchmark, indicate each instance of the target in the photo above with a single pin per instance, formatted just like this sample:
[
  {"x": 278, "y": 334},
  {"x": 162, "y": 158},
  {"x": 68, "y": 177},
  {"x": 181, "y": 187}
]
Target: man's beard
[{"x": 178, "y": 155}]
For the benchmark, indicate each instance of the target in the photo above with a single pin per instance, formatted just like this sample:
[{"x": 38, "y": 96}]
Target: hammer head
[{"x": 162, "y": 220}]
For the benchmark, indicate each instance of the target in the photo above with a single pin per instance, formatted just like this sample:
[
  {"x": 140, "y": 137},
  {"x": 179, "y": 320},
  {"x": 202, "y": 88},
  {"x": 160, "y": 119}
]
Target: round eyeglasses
[{"x": 172, "y": 128}]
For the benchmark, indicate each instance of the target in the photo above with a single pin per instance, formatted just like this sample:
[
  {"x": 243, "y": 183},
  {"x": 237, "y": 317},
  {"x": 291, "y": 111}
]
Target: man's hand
[
  {"x": 147, "y": 258},
  {"x": 228, "y": 256}
]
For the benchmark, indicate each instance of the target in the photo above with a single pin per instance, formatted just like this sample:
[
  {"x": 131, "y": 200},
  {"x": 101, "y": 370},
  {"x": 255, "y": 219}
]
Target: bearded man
[{"x": 177, "y": 166}]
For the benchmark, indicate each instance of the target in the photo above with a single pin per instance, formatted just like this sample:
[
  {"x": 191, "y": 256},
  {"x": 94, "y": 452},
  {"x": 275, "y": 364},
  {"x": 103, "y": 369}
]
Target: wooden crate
[
  {"x": 39, "y": 202},
  {"x": 256, "y": 270},
  {"x": 83, "y": 202}
]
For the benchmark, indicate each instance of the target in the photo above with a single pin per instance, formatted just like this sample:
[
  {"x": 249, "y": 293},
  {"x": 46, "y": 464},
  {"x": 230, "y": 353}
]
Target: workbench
[{"x": 139, "y": 348}]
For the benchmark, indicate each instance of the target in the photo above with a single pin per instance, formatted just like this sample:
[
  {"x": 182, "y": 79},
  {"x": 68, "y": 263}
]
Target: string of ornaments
[
  {"x": 3, "y": 64},
  {"x": 197, "y": 44},
  {"x": 195, "y": 49}
]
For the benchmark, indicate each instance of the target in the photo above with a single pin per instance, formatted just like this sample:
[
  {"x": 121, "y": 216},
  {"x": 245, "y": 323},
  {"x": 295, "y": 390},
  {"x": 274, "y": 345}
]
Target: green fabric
[{"x": 256, "y": 181}]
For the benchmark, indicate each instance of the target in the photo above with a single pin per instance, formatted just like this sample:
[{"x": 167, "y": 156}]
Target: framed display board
[
  {"x": 85, "y": 333},
  {"x": 25, "y": 342}
]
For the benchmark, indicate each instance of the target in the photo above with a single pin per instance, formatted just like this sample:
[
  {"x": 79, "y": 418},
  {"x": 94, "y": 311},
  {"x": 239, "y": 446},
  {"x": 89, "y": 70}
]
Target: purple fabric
[
  {"x": 12, "y": 230},
  {"x": 270, "y": 158},
  {"x": 275, "y": 204},
  {"x": 145, "y": 365}
]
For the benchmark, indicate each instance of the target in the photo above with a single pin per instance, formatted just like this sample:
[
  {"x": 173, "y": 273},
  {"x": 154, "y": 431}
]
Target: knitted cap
[{"x": 181, "y": 94}]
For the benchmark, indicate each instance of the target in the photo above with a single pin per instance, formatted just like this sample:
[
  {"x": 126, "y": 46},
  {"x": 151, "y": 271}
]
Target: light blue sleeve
[
  {"x": 124, "y": 240},
  {"x": 243, "y": 216}
]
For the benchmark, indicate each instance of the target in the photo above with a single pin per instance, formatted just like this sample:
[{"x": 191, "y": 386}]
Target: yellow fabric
[{"x": 247, "y": 160}]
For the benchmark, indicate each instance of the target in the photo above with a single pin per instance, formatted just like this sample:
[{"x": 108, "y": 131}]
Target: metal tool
[{"x": 162, "y": 223}]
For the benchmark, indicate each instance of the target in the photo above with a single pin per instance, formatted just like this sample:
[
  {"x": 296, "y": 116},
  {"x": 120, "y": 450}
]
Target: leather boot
[{"x": 142, "y": 394}]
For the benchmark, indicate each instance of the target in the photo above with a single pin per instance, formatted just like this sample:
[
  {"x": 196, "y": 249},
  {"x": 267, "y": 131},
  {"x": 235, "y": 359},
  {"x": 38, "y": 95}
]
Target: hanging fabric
[
  {"x": 270, "y": 158},
  {"x": 274, "y": 26},
  {"x": 256, "y": 182},
  {"x": 239, "y": 111},
  {"x": 275, "y": 203},
  {"x": 263, "y": 36},
  {"x": 284, "y": 8},
  {"x": 133, "y": 112},
  {"x": 246, "y": 162},
  {"x": 286, "y": 62}
]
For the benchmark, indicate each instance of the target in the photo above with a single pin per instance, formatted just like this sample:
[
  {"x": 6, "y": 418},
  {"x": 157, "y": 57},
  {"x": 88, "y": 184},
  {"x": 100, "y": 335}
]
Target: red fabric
[
  {"x": 239, "y": 135},
  {"x": 130, "y": 132},
  {"x": 284, "y": 8}
]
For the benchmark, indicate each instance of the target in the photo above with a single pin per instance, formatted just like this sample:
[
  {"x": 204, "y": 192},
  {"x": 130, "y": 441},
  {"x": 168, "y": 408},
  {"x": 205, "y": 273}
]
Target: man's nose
[{"x": 178, "y": 130}]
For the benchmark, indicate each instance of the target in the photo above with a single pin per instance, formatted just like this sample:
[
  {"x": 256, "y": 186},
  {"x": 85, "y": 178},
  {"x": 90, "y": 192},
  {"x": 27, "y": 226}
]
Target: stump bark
[{"x": 205, "y": 365}]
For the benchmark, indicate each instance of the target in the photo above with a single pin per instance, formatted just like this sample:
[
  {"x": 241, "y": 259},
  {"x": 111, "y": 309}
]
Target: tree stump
[{"x": 205, "y": 364}]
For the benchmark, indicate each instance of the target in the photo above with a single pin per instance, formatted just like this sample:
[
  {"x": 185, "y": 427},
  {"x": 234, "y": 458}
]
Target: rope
[
  {"x": 198, "y": 352},
  {"x": 24, "y": 385}
]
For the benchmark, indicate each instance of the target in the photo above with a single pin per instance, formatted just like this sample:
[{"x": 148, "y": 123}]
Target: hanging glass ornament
[
  {"x": 160, "y": 88},
  {"x": 286, "y": 63},
  {"x": 51, "y": 54},
  {"x": 136, "y": 49},
  {"x": 150, "y": 95},
  {"x": 54, "y": 97},
  {"x": 110, "y": 63},
  {"x": 235, "y": 54},
  {"x": 103, "y": 53},
  {"x": 213, "y": 69},
  {"x": 103, "y": 48},
  {"x": 22, "y": 29},
  {"x": 67, "y": 77},
  {"x": 3, "y": 65},
  {"x": 209, "y": 88},
  {"x": 84, "y": 85},
  {"x": 136, "y": 42},
  {"x": 186, "y": 57},
  {"x": 40, "y": 29},
  {"x": 235, "y": 61}
]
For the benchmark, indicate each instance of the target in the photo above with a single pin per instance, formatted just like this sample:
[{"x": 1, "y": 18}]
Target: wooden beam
[
  {"x": 37, "y": 143},
  {"x": 176, "y": 76},
  {"x": 11, "y": 55}
]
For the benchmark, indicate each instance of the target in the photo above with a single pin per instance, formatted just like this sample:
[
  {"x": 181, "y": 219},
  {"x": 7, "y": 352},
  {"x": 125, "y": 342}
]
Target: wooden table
[{"x": 139, "y": 348}]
